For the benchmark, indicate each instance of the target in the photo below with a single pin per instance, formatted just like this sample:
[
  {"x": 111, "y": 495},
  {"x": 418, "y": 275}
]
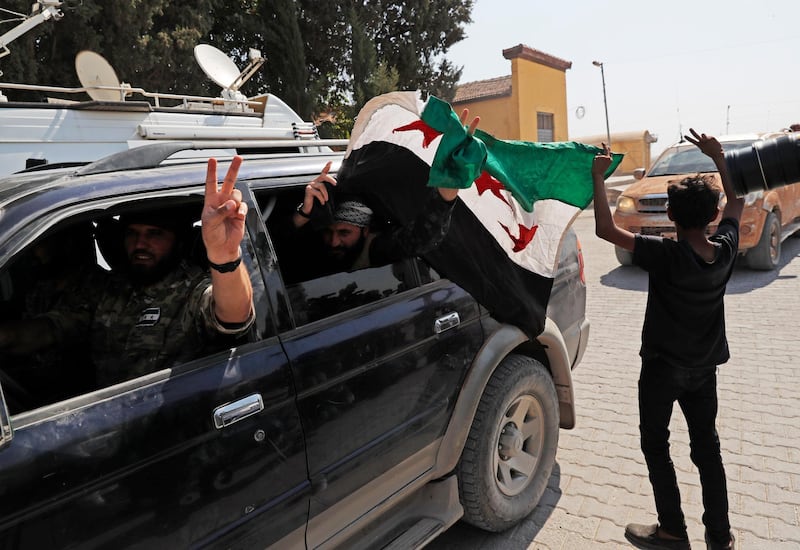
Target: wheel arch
[
  {"x": 772, "y": 203},
  {"x": 549, "y": 349}
]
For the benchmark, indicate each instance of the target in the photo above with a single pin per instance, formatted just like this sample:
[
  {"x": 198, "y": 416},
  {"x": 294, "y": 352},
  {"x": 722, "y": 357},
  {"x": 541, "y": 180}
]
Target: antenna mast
[
  {"x": 728, "y": 120},
  {"x": 40, "y": 12}
]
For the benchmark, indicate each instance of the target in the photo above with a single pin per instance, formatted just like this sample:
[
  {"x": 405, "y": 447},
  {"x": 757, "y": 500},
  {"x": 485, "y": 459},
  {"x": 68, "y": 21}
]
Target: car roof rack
[{"x": 152, "y": 155}]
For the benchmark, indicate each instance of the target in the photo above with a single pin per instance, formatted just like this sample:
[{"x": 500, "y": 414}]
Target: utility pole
[{"x": 605, "y": 102}]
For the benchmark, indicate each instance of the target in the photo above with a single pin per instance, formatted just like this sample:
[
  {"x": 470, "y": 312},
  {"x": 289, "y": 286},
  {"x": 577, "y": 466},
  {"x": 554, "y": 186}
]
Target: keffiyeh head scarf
[{"x": 353, "y": 212}]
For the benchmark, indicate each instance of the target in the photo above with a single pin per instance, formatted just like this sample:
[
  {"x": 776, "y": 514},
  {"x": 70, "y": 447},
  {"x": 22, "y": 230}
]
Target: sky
[{"x": 719, "y": 66}]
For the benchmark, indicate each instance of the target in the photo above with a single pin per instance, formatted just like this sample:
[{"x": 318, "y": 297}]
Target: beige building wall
[
  {"x": 539, "y": 88},
  {"x": 508, "y": 106},
  {"x": 634, "y": 145},
  {"x": 496, "y": 118}
]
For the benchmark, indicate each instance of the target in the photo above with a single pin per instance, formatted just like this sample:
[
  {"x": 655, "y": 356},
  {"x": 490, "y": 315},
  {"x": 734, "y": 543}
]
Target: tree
[
  {"x": 414, "y": 36},
  {"x": 321, "y": 55},
  {"x": 148, "y": 42}
]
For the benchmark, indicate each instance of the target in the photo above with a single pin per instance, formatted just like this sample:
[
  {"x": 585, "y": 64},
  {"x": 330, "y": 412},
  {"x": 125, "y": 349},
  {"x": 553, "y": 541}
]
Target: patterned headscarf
[{"x": 353, "y": 212}]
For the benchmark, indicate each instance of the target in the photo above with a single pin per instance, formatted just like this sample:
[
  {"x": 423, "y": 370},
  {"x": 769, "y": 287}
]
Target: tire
[
  {"x": 504, "y": 470},
  {"x": 767, "y": 253},
  {"x": 624, "y": 257}
]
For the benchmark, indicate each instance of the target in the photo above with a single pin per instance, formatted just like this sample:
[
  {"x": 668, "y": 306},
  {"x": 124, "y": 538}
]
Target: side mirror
[{"x": 638, "y": 173}]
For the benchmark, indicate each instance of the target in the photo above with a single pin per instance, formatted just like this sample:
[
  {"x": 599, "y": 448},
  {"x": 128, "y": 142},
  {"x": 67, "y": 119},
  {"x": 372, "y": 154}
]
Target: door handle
[
  {"x": 446, "y": 323},
  {"x": 225, "y": 415}
]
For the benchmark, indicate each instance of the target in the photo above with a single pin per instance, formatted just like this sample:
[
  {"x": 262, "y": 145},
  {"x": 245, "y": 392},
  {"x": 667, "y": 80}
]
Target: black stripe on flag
[{"x": 393, "y": 181}]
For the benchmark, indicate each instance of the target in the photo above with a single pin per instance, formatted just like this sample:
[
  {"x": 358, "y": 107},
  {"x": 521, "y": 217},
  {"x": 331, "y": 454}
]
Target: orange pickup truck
[{"x": 769, "y": 216}]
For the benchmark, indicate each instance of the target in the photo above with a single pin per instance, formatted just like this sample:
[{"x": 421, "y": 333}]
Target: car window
[
  {"x": 325, "y": 296},
  {"x": 57, "y": 288},
  {"x": 317, "y": 290},
  {"x": 689, "y": 160}
]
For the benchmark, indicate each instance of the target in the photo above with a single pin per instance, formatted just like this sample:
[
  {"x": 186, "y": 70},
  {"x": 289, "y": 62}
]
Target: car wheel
[
  {"x": 511, "y": 448},
  {"x": 624, "y": 257},
  {"x": 767, "y": 253}
]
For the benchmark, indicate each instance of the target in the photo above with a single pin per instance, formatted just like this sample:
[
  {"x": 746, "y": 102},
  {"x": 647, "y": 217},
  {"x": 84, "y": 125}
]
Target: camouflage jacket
[{"x": 133, "y": 331}]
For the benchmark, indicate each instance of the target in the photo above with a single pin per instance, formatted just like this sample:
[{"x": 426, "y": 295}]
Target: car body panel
[
  {"x": 377, "y": 388},
  {"x": 69, "y": 473}
]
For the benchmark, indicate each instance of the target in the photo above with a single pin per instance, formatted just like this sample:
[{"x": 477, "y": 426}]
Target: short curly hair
[{"x": 693, "y": 201}]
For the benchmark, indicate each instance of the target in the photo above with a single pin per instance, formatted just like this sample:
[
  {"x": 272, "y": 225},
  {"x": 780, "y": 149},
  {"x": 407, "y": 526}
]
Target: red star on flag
[
  {"x": 428, "y": 133},
  {"x": 525, "y": 236},
  {"x": 487, "y": 182}
]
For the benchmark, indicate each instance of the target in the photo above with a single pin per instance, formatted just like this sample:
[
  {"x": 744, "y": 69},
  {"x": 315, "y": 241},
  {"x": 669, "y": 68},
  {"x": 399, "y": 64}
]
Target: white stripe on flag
[
  {"x": 552, "y": 217},
  {"x": 387, "y": 118}
]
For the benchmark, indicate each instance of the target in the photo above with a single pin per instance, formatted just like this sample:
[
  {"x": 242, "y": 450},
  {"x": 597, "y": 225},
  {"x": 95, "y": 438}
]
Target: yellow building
[
  {"x": 528, "y": 105},
  {"x": 634, "y": 145}
]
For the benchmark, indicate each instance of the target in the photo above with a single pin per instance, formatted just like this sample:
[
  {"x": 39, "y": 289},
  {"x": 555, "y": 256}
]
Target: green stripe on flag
[
  {"x": 530, "y": 171},
  {"x": 460, "y": 158}
]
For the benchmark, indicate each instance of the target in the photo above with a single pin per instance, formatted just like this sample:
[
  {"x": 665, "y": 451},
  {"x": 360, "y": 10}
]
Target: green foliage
[{"x": 322, "y": 56}]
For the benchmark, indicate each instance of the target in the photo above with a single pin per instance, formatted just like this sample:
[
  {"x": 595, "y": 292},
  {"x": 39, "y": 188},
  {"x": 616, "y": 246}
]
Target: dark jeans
[{"x": 695, "y": 390}]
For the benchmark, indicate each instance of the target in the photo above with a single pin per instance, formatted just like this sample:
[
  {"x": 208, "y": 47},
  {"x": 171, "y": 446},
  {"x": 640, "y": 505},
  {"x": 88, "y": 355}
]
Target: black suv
[{"x": 365, "y": 409}]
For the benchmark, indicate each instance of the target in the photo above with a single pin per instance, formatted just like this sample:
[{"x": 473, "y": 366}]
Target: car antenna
[
  {"x": 680, "y": 127},
  {"x": 41, "y": 11}
]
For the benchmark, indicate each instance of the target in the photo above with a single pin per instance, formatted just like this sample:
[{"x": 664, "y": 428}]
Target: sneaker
[
  {"x": 713, "y": 545},
  {"x": 646, "y": 536}
]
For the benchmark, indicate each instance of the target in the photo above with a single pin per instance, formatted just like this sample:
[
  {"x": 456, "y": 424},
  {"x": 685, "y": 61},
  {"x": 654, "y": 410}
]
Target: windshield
[{"x": 689, "y": 159}]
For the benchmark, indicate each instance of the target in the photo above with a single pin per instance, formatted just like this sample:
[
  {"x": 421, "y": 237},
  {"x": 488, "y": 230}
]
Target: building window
[{"x": 544, "y": 127}]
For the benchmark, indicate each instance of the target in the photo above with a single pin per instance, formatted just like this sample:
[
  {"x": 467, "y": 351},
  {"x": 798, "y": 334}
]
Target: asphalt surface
[{"x": 600, "y": 483}]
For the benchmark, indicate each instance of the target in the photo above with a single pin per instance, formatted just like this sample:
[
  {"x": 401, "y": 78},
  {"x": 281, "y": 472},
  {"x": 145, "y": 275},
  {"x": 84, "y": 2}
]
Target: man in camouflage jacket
[{"x": 160, "y": 309}]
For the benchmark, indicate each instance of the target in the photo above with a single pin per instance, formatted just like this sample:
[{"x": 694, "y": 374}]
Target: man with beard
[
  {"x": 351, "y": 243},
  {"x": 157, "y": 309}
]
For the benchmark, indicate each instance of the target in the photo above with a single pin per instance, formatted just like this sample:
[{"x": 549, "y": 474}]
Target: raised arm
[
  {"x": 713, "y": 149},
  {"x": 316, "y": 189},
  {"x": 428, "y": 229},
  {"x": 223, "y": 230},
  {"x": 447, "y": 193},
  {"x": 605, "y": 228}
]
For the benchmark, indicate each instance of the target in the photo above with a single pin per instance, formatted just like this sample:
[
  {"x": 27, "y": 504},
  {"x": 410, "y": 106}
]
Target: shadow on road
[
  {"x": 626, "y": 278},
  {"x": 743, "y": 279},
  {"x": 463, "y": 536}
]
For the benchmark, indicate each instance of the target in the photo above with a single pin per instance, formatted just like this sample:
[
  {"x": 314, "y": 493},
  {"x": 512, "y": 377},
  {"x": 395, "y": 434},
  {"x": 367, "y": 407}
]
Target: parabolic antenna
[
  {"x": 218, "y": 67},
  {"x": 94, "y": 70}
]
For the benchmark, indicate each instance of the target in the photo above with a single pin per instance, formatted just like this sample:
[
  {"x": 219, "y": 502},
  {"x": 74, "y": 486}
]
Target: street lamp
[{"x": 605, "y": 103}]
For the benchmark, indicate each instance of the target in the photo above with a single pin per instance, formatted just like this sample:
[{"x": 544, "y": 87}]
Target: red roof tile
[
  {"x": 528, "y": 53},
  {"x": 483, "y": 89}
]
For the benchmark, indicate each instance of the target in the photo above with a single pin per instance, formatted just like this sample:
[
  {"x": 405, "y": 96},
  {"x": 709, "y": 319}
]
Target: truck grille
[
  {"x": 657, "y": 230},
  {"x": 653, "y": 204}
]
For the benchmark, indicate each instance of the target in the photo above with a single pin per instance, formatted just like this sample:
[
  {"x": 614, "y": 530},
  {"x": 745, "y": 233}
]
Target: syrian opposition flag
[{"x": 516, "y": 201}]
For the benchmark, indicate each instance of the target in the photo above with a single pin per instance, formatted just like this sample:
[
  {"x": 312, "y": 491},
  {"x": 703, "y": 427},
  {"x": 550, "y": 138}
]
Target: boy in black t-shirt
[{"x": 683, "y": 341}]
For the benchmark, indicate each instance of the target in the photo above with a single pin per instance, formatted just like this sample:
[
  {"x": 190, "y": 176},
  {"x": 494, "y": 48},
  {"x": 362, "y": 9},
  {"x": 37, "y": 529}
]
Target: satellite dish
[
  {"x": 218, "y": 67},
  {"x": 94, "y": 70}
]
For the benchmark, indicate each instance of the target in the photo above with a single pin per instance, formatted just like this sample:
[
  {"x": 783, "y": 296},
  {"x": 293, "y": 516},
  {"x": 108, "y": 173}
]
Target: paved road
[{"x": 600, "y": 480}]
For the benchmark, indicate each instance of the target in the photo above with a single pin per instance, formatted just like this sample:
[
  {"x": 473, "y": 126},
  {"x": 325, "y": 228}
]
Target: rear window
[{"x": 689, "y": 160}]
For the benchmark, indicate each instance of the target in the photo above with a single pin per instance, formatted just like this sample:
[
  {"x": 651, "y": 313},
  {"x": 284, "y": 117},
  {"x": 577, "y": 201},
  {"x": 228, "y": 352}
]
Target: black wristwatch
[
  {"x": 300, "y": 211},
  {"x": 226, "y": 267}
]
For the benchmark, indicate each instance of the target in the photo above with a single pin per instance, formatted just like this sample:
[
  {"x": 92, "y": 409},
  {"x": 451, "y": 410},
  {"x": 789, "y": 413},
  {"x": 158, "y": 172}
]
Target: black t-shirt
[{"x": 684, "y": 323}]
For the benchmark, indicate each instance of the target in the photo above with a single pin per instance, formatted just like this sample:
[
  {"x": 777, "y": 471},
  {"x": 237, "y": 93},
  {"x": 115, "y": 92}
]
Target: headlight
[
  {"x": 750, "y": 198},
  {"x": 626, "y": 204}
]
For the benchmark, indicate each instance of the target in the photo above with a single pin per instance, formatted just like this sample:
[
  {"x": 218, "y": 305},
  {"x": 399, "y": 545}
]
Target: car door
[
  {"x": 207, "y": 453},
  {"x": 377, "y": 356},
  {"x": 376, "y": 381}
]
